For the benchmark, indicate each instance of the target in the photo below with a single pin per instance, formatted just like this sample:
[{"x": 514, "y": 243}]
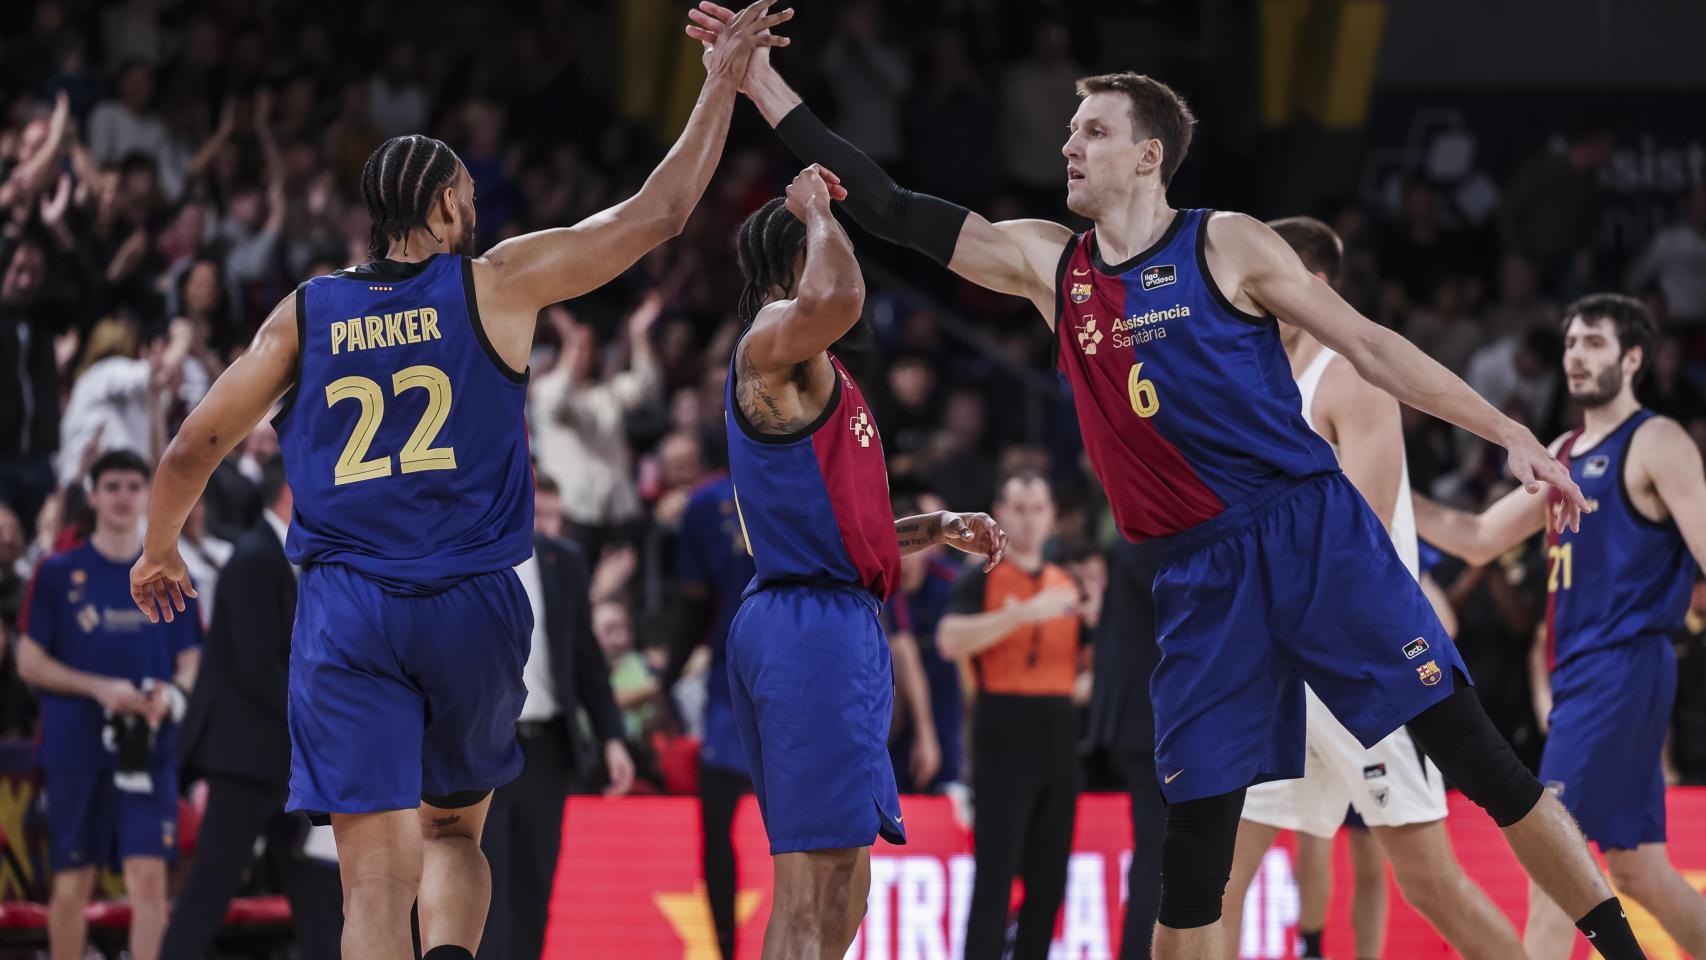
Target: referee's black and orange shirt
[{"x": 1038, "y": 659}]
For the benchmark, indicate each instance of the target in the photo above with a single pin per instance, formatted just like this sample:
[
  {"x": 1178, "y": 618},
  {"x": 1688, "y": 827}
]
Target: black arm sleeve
[{"x": 921, "y": 222}]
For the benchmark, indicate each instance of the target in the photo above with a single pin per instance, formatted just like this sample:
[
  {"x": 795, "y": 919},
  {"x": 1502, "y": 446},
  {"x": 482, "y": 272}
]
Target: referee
[{"x": 1017, "y": 628}]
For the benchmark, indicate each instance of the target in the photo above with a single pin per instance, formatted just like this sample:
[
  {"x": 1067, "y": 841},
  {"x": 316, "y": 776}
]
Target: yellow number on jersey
[
  {"x": 1562, "y": 567},
  {"x": 1144, "y": 400},
  {"x": 419, "y": 453}
]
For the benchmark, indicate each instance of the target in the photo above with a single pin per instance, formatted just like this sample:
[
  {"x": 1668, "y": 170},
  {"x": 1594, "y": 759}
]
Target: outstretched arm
[
  {"x": 233, "y": 406},
  {"x": 1269, "y": 271},
  {"x": 1479, "y": 538},
  {"x": 1017, "y": 257},
  {"x": 529, "y": 272}
]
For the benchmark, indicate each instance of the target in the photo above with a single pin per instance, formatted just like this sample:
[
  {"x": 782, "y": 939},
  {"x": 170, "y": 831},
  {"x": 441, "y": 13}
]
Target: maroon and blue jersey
[
  {"x": 1186, "y": 404},
  {"x": 1622, "y": 576},
  {"x": 814, "y": 504},
  {"x": 404, "y": 439}
]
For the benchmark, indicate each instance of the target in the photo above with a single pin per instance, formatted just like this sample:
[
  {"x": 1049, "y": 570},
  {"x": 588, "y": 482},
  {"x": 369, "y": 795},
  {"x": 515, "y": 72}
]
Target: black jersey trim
[
  {"x": 1252, "y": 319},
  {"x": 386, "y": 269},
  {"x": 1623, "y": 475},
  {"x": 289, "y": 401},
  {"x": 1117, "y": 269},
  {"x": 474, "y": 321},
  {"x": 780, "y": 439},
  {"x": 1060, "y": 291}
]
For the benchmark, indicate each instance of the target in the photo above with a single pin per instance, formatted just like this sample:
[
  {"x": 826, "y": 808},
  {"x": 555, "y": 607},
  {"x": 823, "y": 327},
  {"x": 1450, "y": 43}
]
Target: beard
[
  {"x": 464, "y": 245},
  {"x": 1603, "y": 389}
]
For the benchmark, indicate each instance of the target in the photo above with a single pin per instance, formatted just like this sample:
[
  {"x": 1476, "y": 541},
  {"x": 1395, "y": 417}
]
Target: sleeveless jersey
[
  {"x": 404, "y": 440},
  {"x": 1185, "y": 403},
  {"x": 1403, "y": 530},
  {"x": 1622, "y": 575},
  {"x": 814, "y": 505}
]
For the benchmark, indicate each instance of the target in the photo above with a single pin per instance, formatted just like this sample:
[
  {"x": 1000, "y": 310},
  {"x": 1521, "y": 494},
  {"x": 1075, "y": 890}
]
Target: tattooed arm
[{"x": 974, "y": 533}]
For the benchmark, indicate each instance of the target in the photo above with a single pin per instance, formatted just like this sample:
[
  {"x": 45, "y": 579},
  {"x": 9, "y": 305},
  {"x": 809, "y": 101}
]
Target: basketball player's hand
[
  {"x": 926, "y": 759},
  {"x": 1061, "y": 601},
  {"x": 813, "y": 188},
  {"x": 977, "y": 534},
  {"x": 159, "y": 585},
  {"x": 710, "y": 20},
  {"x": 1533, "y": 466},
  {"x": 731, "y": 43}
]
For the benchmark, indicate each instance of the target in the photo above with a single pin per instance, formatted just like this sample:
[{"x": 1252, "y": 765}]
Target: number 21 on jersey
[
  {"x": 1561, "y": 563},
  {"x": 418, "y": 453}
]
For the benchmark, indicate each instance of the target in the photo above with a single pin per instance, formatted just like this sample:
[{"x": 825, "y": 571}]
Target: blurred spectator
[
  {"x": 870, "y": 77},
  {"x": 1037, "y": 93},
  {"x": 1666, "y": 386},
  {"x": 952, "y": 117},
  {"x": 29, "y": 386},
  {"x": 396, "y": 103},
  {"x": 1444, "y": 328},
  {"x": 579, "y": 424},
  {"x": 1520, "y": 307},
  {"x": 1521, "y": 368},
  {"x": 117, "y": 399},
  {"x": 1676, "y": 259},
  {"x": 11, "y": 570},
  {"x": 128, "y": 124},
  {"x": 233, "y": 494},
  {"x": 1551, "y": 206}
]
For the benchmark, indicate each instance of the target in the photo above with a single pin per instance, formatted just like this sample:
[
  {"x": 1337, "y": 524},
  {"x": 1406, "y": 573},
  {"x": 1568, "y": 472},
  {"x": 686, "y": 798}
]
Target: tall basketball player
[
  {"x": 1398, "y": 792},
  {"x": 1277, "y": 572},
  {"x": 403, "y": 382},
  {"x": 1616, "y": 589},
  {"x": 809, "y": 670}
]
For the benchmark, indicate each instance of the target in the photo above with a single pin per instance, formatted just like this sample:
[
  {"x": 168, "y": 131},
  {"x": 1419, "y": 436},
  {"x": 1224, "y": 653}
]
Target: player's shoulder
[
  {"x": 1661, "y": 438},
  {"x": 1557, "y": 444}
]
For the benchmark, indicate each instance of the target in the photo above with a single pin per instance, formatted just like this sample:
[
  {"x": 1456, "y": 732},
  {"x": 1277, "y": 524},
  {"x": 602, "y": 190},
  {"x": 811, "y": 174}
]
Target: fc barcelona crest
[
  {"x": 1080, "y": 292},
  {"x": 1429, "y": 673}
]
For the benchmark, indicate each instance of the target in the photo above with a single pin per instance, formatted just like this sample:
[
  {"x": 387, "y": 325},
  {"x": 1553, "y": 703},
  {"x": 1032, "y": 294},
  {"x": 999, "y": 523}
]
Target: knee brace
[
  {"x": 1196, "y": 859},
  {"x": 1456, "y": 734}
]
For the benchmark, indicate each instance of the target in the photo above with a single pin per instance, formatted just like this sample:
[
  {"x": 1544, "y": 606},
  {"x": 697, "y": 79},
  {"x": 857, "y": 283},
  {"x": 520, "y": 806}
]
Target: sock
[
  {"x": 1607, "y": 929},
  {"x": 1309, "y": 943},
  {"x": 447, "y": 952}
]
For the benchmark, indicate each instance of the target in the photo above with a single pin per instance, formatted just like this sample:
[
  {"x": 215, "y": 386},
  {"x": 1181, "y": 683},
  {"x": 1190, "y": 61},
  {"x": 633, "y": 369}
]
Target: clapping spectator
[{"x": 119, "y": 395}]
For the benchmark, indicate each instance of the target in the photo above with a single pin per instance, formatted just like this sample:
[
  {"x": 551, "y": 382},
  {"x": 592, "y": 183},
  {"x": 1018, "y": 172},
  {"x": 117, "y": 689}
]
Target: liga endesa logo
[{"x": 628, "y": 885}]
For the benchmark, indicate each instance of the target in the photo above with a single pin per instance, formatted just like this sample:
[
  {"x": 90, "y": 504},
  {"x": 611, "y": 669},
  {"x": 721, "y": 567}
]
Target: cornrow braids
[
  {"x": 399, "y": 182},
  {"x": 768, "y": 243}
]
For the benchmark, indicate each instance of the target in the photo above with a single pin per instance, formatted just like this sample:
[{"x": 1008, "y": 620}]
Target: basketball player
[
  {"x": 1610, "y": 607},
  {"x": 809, "y": 668},
  {"x": 1276, "y": 570},
  {"x": 403, "y": 382},
  {"x": 1397, "y": 791}
]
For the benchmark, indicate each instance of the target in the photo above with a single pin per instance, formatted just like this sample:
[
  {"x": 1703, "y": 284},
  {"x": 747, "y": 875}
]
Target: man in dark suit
[
  {"x": 1123, "y": 721},
  {"x": 566, "y": 671},
  {"x": 234, "y": 734}
]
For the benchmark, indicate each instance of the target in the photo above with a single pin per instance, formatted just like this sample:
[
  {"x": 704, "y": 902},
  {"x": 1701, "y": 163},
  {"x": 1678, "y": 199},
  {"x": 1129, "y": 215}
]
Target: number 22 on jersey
[{"x": 418, "y": 453}]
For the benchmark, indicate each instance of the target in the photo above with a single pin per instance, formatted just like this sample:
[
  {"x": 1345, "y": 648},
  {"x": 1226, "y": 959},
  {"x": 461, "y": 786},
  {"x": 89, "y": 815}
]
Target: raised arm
[
  {"x": 1016, "y": 257},
  {"x": 524, "y": 274},
  {"x": 233, "y": 406},
  {"x": 1247, "y": 258},
  {"x": 830, "y": 293}
]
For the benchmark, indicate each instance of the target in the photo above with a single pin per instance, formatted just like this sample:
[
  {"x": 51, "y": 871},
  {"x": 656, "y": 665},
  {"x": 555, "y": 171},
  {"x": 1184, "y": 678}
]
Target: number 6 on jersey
[{"x": 1144, "y": 400}]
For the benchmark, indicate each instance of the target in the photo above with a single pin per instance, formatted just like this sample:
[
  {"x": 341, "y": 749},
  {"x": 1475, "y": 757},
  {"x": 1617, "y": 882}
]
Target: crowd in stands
[{"x": 170, "y": 170}]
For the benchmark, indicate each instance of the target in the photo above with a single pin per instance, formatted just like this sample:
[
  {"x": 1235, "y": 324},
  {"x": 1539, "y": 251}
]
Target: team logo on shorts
[
  {"x": 1381, "y": 795},
  {"x": 1429, "y": 672},
  {"x": 1154, "y": 277},
  {"x": 863, "y": 429},
  {"x": 1089, "y": 336},
  {"x": 1374, "y": 771},
  {"x": 1080, "y": 292},
  {"x": 1596, "y": 466},
  {"x": 1415, "y": 648}
]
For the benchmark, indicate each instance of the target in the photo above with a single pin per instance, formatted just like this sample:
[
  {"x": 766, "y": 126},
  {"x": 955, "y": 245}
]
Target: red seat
[
  {"x": 22, "y": 915},
  {"x": 258, "y": 911},
  {"x": 108, "y": 914}
]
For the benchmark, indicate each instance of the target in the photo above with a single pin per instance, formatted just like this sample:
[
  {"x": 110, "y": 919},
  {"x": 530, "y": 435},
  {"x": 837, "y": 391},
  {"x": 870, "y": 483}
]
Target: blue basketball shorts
[
  {"x": 92, "y": 823},
  {"x": 813, "y": 690},
  {"x": 1297, "y": 583},
  {"x": 1611, "y": 709},
  {"x": 393, "y": 697}
]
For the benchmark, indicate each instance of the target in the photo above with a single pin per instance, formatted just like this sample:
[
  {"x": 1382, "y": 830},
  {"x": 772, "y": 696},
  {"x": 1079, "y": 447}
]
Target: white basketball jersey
[{"x": 1404, "y": 511}]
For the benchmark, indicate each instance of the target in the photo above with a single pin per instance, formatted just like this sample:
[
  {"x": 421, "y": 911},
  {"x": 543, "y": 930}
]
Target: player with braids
[
  {"x": 771, "y": 241},
  {"x": 398, "y": 183},
  {"x": 403, "y": 382}
]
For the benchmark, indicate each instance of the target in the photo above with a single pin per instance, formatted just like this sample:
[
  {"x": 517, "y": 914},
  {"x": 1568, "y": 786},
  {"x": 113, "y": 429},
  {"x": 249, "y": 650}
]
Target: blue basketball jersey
[
  {"x": 814, "y": 505},
  {"x": 404, "y": 439},
  {"x": 1621, "y": 575},
  {"x": 1186, "y": 404}
]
